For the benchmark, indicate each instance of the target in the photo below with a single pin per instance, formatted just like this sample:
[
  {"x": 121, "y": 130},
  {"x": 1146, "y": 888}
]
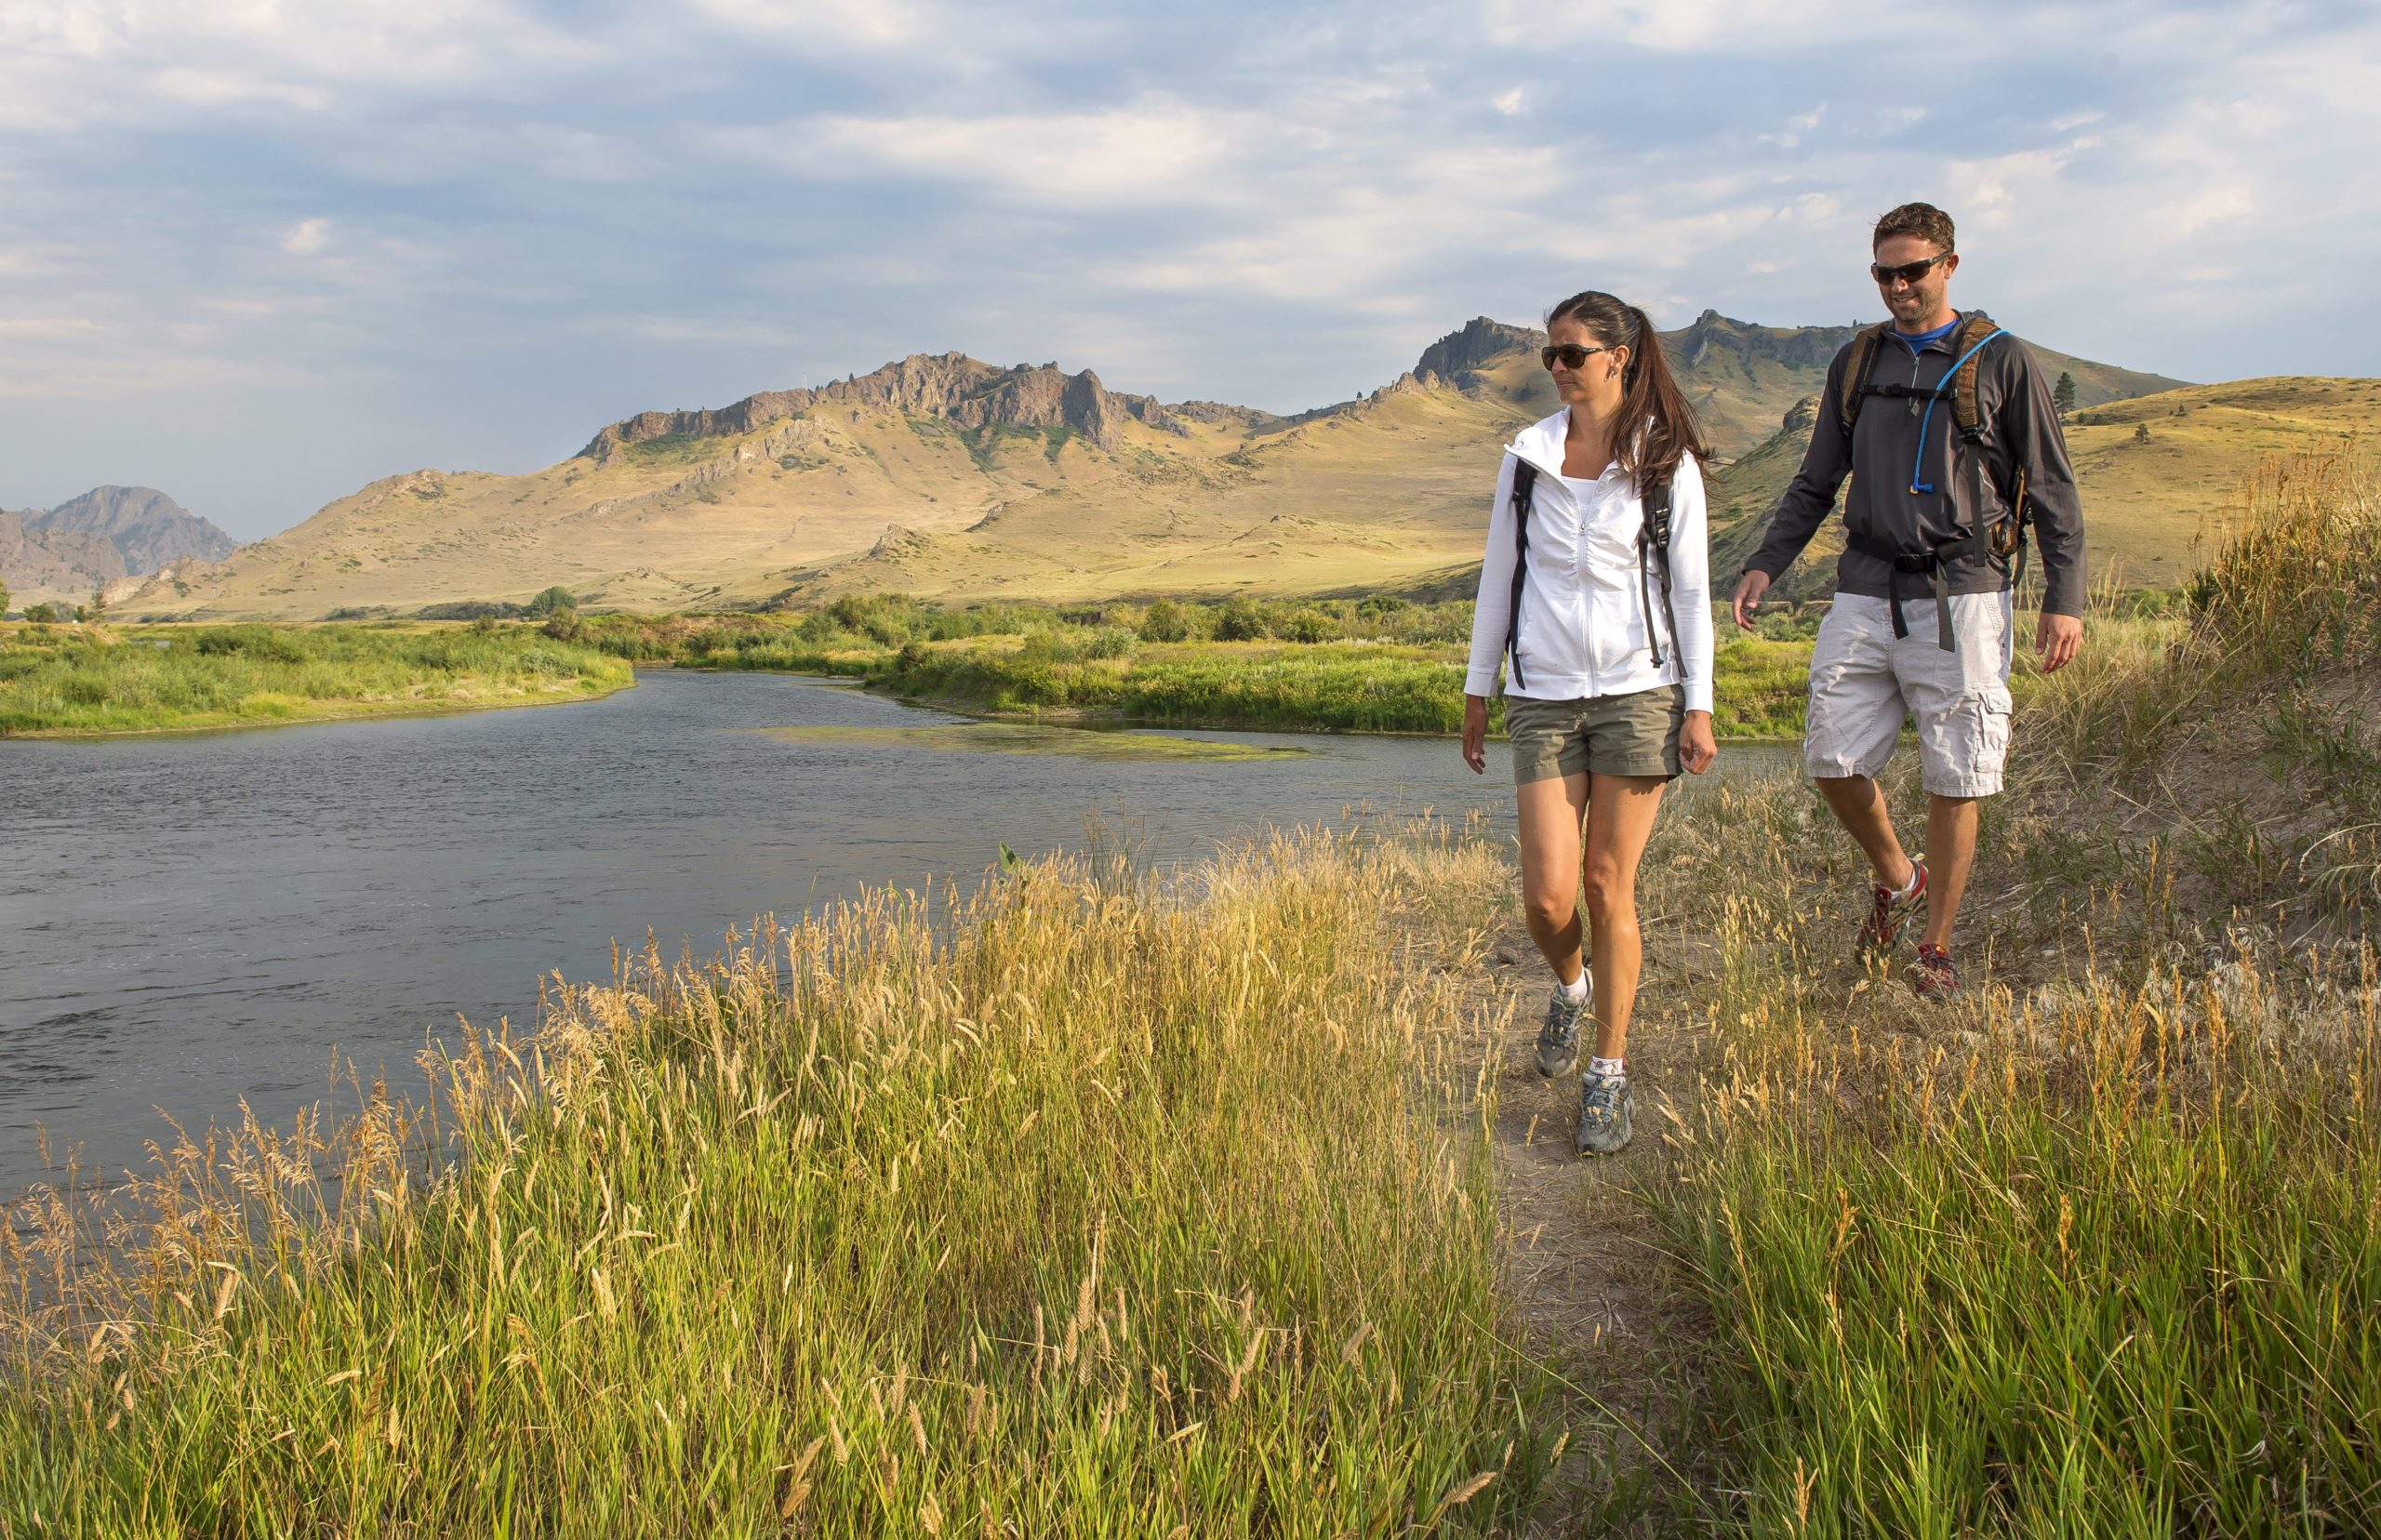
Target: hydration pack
[
  {"x": 2004, "y": 538},
  {"x": 1653, "y": 549}
]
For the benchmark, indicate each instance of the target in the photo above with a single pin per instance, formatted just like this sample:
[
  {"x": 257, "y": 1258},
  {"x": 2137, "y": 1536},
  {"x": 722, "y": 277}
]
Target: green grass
[
  {"x": 66, "y": 680},
  {"x": 1321, "y": 666},
  {"x": 1084, "y": 1211}
]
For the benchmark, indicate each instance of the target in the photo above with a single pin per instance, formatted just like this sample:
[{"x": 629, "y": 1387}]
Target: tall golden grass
[{"x": 1072, "y": 1208}]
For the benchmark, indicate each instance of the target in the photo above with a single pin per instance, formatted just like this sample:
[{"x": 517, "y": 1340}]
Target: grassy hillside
[{"x": 798, "y": 494}]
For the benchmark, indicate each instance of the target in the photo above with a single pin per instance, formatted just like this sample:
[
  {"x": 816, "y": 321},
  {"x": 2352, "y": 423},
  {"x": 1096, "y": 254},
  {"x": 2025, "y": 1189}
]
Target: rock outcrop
[
  {"x": 1453, "y": 358},
  {"x": 963, "y": 392}
]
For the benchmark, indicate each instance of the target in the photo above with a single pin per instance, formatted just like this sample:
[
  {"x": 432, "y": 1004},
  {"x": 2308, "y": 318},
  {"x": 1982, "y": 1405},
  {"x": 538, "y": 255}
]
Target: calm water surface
[{"x": 190, "y": 921}]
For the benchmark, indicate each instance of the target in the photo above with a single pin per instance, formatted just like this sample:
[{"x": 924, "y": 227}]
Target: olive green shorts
[{"x": 1628, "y": 735}]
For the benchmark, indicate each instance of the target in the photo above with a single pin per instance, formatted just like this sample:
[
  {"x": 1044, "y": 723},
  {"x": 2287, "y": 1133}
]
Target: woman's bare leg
[
  {"x": 1550, "y": 811},
  {"x": 1620, "y": 819}
]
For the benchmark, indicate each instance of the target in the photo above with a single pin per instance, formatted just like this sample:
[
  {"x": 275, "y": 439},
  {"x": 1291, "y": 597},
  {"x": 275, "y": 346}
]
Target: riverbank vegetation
[
  {"x": 1375, "y": 665},
  {"x": 1087, "y": 1208},
  {"x": 65, "y": 681}
]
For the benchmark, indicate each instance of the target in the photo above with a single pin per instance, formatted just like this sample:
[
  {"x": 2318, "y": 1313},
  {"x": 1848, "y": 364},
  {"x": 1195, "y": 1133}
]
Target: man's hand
[
  {"x": 1697, "y": 748},
  {"x": 2056, "y": 641},
  {"x": 1476, "y": 733},
  {"x": 1748, "y": 591}
]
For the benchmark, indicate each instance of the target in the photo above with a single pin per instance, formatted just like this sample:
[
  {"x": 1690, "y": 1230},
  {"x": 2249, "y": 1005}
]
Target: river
[{"x": 193, "y": 920}]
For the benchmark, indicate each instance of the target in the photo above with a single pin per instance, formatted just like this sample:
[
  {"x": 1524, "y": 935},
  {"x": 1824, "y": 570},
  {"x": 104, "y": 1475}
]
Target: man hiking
[{"x": 1944, "y": 424}]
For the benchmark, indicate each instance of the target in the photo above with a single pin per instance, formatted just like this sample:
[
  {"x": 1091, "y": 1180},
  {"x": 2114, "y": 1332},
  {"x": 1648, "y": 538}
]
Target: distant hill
[
  {"x": 98, "y": 540},
  {"x": 944, "y": 475}
]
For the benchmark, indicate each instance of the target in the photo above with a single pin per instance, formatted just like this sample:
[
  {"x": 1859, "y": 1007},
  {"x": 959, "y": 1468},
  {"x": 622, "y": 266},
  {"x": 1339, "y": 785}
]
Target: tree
[
  {"x": 2062, "y": 395},
  {"x": 97, "y": 609},
  {"x": 2141, "y": 433},
  {"x": 553, "y": 600},
  {"x": 40, "y": 615},
  {"x": 4, "y": 598}
]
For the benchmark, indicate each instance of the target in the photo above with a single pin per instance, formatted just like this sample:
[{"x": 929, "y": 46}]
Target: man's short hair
[{"x": 1923, "y": 220}]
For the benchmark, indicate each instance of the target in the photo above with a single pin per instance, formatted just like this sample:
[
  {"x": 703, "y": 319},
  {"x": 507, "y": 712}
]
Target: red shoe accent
[{"x": 1892, "y": 911}]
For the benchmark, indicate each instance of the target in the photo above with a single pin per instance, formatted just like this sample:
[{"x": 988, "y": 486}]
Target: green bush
[{"x": 1239, "y": 620}]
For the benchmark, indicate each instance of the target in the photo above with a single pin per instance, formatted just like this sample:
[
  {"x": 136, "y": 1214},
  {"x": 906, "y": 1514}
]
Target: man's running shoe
[
  {"x": 1892, "y": 911},
  {"x": 1607, "y": 1114},
  {"x": 1931, "y": 976},
  {"x": 1558, "y": 1040}
]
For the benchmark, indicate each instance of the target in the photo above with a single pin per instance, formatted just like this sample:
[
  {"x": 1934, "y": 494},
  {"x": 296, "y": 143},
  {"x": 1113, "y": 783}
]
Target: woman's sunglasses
[
  {"x": 1571, "y": 353},
  {"x": 1909, "y": 272}
]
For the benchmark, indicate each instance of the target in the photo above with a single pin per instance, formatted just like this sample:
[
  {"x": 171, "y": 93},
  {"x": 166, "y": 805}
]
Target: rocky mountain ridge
[
  {"x": 99, "y": 540},
  {"x": 963, "y": 392}
]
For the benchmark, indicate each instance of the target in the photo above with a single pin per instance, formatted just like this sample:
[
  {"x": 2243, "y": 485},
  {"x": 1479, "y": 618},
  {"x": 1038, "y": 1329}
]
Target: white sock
[
  {"x": 1576, "y": 989},
  {"x": 1608, "y": 1066},
  {"x": 1909, "y": 889}
]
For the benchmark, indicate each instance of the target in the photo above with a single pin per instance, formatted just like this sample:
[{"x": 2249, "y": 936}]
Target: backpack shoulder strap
[
  {"x": 1975, "y": 328},
  {"x": 1656, "y": 534},
  {"x": 1861, "y": 359},
  {"x": 1525, "y": 489}
]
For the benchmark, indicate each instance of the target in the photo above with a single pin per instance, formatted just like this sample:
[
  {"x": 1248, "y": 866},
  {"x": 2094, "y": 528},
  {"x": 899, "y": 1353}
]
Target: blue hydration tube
[{"x": 1918, "y": 464}]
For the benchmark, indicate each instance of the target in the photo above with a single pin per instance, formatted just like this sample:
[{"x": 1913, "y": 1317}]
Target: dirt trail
[{"x": 1600, "y": 1302}]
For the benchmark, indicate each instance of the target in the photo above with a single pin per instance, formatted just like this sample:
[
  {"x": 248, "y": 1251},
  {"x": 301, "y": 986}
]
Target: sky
[{"x": 258, "y": 254}]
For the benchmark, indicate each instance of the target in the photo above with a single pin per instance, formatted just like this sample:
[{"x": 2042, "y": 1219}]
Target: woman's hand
[
  {"x": 1696, "y": 747},
  {"x": 1476, "y": 733}
]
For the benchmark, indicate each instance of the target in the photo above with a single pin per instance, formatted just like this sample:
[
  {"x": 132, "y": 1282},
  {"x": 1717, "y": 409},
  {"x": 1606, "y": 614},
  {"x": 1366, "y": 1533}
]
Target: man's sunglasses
[
  {"x": 1571, "y": 353},
  {"x": 1909, "y": 272}
]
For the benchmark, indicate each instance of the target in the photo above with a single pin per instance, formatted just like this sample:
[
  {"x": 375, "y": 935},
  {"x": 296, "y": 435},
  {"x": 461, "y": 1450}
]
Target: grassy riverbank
[
  {"x": 1343, "y": 666},
  {"x": 1106, "y": 1215},
  {"x": 60, "y": 681}
]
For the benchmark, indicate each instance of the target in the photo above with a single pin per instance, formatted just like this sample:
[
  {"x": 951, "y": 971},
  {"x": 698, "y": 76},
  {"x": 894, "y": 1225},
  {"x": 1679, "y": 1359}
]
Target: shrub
[
  {"x": 553, "y": 600},
  {"x": 1111, "y": 641},
  {"x": 1239, "y": 620},
  {"x": 1309, "y": 625},
  {"x": 1166, "y": 621}
]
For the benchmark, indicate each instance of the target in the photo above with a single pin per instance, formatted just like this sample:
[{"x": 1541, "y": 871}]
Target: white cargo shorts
[{"x": 1864, "y": 681}]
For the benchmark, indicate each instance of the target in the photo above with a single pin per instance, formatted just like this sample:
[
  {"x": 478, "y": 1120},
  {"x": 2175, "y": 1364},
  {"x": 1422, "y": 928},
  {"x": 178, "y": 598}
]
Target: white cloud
[{"x": 306, "y": 237}]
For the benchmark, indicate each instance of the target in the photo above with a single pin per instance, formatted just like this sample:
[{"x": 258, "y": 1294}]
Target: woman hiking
[{"x": 1605, "y": 617}]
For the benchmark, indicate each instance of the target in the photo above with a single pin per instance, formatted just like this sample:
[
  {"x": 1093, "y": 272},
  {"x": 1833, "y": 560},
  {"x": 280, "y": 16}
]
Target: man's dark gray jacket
[{"x": 2020, "y": 428}]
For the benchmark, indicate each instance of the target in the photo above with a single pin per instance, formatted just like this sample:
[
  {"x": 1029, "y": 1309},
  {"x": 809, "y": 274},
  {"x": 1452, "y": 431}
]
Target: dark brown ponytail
[{"x": 1656, "y": 425}]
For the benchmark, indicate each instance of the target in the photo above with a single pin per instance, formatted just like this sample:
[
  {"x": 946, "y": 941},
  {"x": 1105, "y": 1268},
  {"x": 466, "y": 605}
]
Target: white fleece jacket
[{"x": 1584, "y": 626}]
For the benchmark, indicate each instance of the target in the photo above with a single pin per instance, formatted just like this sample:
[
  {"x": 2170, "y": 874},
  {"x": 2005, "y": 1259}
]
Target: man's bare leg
[
  {"x": 1951, "y": 856},
  {"x": 1859, "y": 806}
]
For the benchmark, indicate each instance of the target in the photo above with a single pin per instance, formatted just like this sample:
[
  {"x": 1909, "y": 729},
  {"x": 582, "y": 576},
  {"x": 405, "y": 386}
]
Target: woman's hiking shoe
[
  {"x": 1558, "y": 1040},
  {"x": 1607, "y": 1114},
  {"x": 1892, "y": 911},
  {"x": 1931, "y": 976}
]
